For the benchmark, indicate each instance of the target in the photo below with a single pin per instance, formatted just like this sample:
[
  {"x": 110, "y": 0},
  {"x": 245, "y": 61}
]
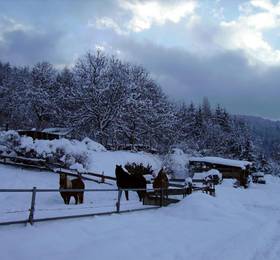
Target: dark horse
[
  {"x": 66, "y": 183},
  {"x": 161, "y": 182},
  {"x": 130, "y": 181}
]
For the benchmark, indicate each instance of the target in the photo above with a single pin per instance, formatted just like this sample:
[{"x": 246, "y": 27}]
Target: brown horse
[
  {"x": 161, "y": 182},
  {"x": 126, "y": 180},
  {"x": 66, "y": 183}
]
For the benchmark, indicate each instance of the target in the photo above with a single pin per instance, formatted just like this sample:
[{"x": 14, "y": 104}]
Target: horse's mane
[
  {"x": 68, "y": 183},
  {"x": 126, "y": 171}
]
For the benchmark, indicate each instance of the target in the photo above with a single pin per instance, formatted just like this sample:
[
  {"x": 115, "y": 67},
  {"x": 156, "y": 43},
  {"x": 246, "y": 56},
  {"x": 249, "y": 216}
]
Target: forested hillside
[
  {"x": 115, "y": 102},
  {"x": 266, "y": 134}
]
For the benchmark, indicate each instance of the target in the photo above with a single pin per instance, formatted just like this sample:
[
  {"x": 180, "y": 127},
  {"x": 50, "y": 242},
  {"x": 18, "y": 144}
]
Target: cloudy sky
[{"x": 228, "y": 50}]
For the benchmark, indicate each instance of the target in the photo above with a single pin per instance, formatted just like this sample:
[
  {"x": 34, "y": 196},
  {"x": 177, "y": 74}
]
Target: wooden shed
[
  {"x": 227, "y": 167},
  {"x": 46, "y": 134}
]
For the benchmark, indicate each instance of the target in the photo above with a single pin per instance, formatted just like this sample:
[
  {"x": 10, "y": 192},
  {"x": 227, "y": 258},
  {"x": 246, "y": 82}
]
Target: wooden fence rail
[{"x": 42, "y": 164}]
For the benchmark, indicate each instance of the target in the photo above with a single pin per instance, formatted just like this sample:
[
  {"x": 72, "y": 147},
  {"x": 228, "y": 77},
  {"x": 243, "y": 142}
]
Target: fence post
[
  {"x": 213, "y": 191},
  {"x": 118, "y": 204},
  {"x": 32, "y": 208},
  {"x": 102, "y": 178}
]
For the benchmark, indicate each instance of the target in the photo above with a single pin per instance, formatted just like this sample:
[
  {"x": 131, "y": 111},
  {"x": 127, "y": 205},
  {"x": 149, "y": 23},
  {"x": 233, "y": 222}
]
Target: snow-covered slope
[
  {"x": 236, "y": 224},
  {"x": 85, "y": 155}
]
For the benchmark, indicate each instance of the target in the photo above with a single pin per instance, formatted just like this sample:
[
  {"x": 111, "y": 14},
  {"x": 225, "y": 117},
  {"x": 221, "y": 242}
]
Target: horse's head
[
  {"x": 118, "y": 167},
  {"x": 162, "y": 176},
  {"x": 161, "y": 173}
]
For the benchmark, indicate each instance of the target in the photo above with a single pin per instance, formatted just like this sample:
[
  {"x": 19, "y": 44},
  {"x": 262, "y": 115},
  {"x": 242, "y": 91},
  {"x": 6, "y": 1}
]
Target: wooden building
[
  {"x": 46, "y": 134},
  {"x": 228, "y": 168}
]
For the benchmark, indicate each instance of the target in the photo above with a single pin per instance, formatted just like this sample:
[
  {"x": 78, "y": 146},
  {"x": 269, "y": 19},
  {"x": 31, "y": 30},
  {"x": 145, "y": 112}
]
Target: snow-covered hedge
[{"x": 73, "y": 153}]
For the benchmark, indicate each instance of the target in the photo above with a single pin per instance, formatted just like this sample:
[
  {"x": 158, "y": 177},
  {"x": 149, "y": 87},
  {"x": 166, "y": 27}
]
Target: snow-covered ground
[{"x": 236, "y": 224}]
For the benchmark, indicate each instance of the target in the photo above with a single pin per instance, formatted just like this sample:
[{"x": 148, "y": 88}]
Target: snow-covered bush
[
  {"x": 93, "y": 146},
  {"x": 176, "y": 163},
  {"x": 139, "y": 169},
  {"x": 64, "y": 151},
  {"x": 212, "y": 175},
  {"x": 8, "y": 141},
  {"x": 71, "y": 153}
]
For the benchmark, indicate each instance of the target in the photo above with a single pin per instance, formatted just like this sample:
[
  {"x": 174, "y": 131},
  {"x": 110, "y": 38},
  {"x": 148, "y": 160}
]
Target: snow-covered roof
[
  {"x": 57, "y": 130},
  {"x": 221, "y": 161}
]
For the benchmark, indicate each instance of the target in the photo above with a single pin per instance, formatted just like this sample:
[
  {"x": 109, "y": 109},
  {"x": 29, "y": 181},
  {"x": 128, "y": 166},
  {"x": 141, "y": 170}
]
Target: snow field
[{"x": 236, "y": 224}]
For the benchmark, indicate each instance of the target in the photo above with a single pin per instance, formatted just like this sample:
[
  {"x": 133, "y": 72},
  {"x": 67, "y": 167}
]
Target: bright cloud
[
  {"x": 8, "y": 25},
  {"x": 264, "y": 4},
  {"x": 107, "y": 22},
  {"x": 247, "y": 31},
  {"x": 143, "y": 14},
  {"x": 146, "y": 13}
]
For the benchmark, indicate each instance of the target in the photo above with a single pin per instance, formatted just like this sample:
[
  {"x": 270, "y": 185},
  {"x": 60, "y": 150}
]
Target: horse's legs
[
  {"x": 139, "y": 195},
  {"x": 65, "y": 199},
  {"x": 76, "y": 196},
  {"x": 68, "y": 198},
  {"x": 82, "y": 197},
  {"x": 126, "y": 194}
]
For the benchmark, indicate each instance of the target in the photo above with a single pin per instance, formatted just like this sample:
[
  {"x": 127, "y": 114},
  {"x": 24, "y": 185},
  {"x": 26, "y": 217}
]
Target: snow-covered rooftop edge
[
  {"x": 222, "y": 161},
  {"x": 57, "y": 130}
]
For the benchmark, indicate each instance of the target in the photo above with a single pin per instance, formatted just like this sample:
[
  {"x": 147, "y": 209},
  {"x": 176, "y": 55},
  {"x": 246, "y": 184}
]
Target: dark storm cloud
[
  {"x": 56, "y": 30},
  {"x": 226, "y": 77},
  {"x": 28, "y": 47}
]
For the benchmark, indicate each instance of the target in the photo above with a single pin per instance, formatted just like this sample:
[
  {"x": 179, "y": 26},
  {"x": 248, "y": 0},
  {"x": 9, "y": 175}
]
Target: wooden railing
[{"x": 42, "y": 164}]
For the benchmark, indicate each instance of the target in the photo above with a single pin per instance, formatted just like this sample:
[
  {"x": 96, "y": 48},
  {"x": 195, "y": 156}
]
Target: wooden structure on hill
[
  {"x": 46, "y": 134},
  {"x": 132, "y": 147}
]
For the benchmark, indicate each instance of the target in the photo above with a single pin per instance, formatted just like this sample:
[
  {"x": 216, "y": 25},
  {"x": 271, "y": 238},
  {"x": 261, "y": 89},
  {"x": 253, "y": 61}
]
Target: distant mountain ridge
[
  {"x": 262, "y": 126},
  {"x": 265, "y": 131}
]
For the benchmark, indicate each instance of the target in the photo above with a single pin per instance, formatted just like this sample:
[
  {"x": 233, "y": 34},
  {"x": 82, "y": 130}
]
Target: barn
[{"x": 227, "y": 167}]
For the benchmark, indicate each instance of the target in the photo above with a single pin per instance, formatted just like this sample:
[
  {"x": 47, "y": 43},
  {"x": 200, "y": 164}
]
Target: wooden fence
[
  {"x": 31, "y": 217},
  {"x": 155, "y": 198},
  {"x": 43, "y": 165}
]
